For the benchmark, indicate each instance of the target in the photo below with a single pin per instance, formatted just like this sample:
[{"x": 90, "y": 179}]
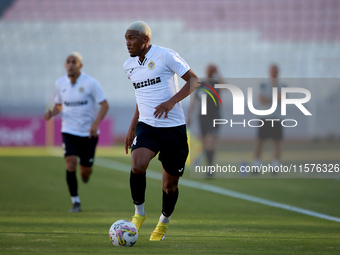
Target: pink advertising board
[
  {"x": 37, "y": 132},
  {"x": 22, "y": 132}
]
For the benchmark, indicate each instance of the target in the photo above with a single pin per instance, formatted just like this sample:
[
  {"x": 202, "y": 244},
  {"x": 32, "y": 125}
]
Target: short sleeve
[
  {"x": 57, "y": 97},
  {"x": 127, "y": 73},
  {"x": 126, "y": 69},
  {"x": 97, "y": 92},
  {"x": 176, "y": 63}
]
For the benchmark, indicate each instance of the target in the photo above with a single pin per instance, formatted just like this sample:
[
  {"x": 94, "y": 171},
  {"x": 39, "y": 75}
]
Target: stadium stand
[
  {"x": 4, "y": 5},
  {"x": 284, "y": 20},
  {"x": 242, "y": 37}
]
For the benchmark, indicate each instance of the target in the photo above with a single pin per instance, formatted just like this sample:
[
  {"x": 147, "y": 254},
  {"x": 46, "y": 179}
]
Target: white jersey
[
  {"x": 155, "y": 81},
  {"x": 79, "y": 103}
]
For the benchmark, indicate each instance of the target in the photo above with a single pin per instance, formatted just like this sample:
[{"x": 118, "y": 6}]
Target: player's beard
[
  {"x": 136, "y": 54},
  {"x": 72, "y": 74}
]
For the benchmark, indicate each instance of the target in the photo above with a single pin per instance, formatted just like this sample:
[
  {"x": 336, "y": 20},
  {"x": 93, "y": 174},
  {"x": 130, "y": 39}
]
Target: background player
[
  {"x": 208, "y": 131},
  {"x": 158, "y": 124},
  {"x": 267, "y": 131},
  {"x": 76, "y": 97}
]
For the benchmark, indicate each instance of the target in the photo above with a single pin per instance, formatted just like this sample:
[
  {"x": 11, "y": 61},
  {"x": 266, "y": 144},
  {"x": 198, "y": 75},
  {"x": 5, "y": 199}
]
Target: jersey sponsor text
[
  {"x": 146, "y": 83},
  {"x": 76, "y": 103}
]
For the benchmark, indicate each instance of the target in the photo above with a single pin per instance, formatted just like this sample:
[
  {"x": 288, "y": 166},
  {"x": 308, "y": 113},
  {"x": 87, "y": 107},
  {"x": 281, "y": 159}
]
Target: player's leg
[
  {"x": 71, "y": 168},
  {"x": 70, "y": 154},
  {"x": 258, "y": 148},
  {"x": 207, "y": 139},
  {"x": 257, "y": 152},
  {"x": 208, "y": 143},
  {"x": 262, "y": 134},
  {"x": 87, "y": 149},
  {"x": 143, "y": 149},
  {"x": 277, "y": 136},
  {"x": 71, "y": 179},
  {"x": 140, "y": 159},
  {"x": 85, "y": 172},
  {"x": 170, "y": 196},
  {"x": 277, "y": 153},
  {"x": 173, "y": 155}
]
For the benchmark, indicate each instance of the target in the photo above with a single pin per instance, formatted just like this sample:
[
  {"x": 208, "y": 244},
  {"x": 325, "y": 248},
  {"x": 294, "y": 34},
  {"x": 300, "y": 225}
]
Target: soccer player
[
  {"x": 267, "y": 131},
  {"x": 208, "y": 131},
  {"x": 158, "y": 125},
  {"x": 76, "y": 97}
]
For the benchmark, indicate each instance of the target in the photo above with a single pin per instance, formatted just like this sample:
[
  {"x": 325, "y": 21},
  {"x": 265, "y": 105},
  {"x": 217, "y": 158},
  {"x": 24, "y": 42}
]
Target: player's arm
[
  {"x": 55, "y": 111},
  {"x": 132, "y": 130},
  {"x": 104, "y": 107},
  {"x": 192, "y": 82}
]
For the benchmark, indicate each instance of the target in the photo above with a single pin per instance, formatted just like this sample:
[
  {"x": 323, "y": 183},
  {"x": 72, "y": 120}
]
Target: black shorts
[
  {"x": 83, "y": 147},
  {"x": 170, "y": 142},
  {"x": 269, "y": 132}
]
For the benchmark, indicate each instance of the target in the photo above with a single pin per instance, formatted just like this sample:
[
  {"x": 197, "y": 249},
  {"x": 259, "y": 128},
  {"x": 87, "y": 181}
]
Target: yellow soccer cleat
[
  {"x": 137, "y": 220},
  {"x": 159, "y": 233}
]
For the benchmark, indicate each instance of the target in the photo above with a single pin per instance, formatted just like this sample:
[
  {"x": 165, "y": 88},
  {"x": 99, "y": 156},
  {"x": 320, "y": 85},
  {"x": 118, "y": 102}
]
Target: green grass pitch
[{"x": 34, "y": 218}]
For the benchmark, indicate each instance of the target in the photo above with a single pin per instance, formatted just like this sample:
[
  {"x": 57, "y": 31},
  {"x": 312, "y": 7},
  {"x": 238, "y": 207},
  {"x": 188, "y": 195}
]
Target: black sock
[
  {"x": 72, "y": 183},
  {"x": 137, "y": 187},
  {"x": 210, "y": 156},
  {"x": 169, "y": 202}
]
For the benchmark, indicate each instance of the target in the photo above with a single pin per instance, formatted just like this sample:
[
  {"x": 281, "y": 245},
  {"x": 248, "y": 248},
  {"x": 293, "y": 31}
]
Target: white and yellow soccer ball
[{"x": 123, "y": 233}]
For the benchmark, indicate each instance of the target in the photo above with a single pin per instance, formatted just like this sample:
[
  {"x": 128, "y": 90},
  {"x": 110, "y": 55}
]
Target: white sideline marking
[{"x": 208, "y": 187}]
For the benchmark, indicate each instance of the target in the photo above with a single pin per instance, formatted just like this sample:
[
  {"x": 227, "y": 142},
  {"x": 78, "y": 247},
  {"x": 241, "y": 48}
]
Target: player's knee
[
  {"x": 71, "y": 166},
  {"x": 170, "y": 189},
  {"x": 139, "y": 168}
]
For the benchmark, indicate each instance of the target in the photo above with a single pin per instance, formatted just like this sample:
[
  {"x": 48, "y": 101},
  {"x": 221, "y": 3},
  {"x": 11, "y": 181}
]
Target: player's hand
[
  {"x": 93, "y": 130},
  {"x": 163, "y": 108},
  {"x": 48, "y": 115},
  {"x": 129, "y": 140}
]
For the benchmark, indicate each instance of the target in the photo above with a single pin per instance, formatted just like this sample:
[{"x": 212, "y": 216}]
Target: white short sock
[
  {"x": 164, "y": 219},
  {"x": 75, "y": 199},
  {"x": 139, "y": 209}
]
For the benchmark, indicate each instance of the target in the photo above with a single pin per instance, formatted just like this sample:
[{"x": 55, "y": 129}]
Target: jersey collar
[
  {"x": 69, "y": 80},
  {"x": 146, "y": 57}
]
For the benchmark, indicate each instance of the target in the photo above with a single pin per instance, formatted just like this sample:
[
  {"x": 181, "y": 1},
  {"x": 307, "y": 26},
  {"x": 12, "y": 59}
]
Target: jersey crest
[{"x": 151, "y": 65}]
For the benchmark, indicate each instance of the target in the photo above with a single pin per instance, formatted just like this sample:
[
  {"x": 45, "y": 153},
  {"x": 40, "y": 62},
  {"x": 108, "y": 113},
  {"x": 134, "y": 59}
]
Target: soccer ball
[{"x": 123, "y": 233}]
